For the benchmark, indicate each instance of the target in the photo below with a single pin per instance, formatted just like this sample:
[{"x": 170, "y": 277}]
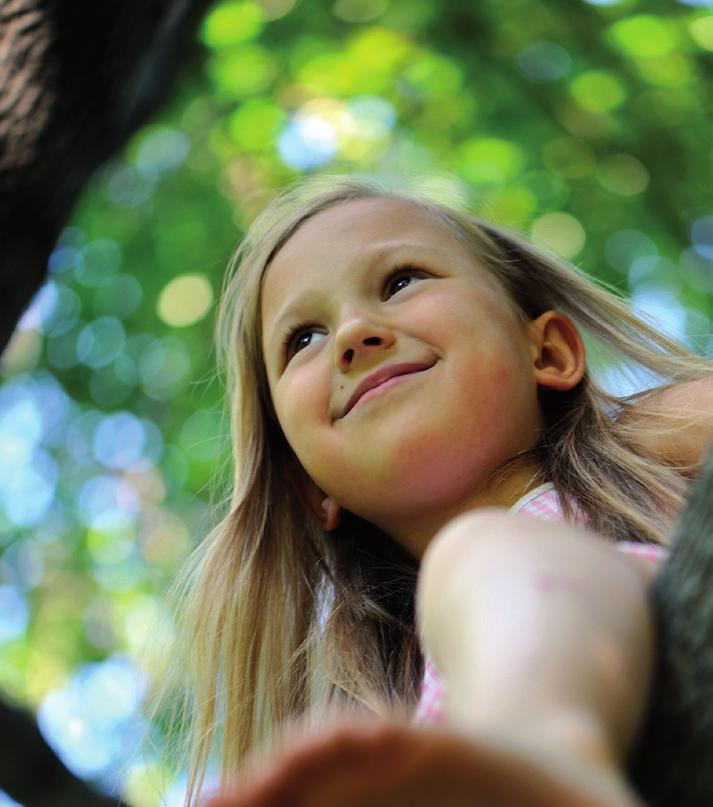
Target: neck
[{"x": 501, "y": 491}]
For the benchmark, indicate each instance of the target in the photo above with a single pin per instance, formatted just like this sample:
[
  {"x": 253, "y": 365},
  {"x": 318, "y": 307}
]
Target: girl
[{"x": 398, "y": 370}]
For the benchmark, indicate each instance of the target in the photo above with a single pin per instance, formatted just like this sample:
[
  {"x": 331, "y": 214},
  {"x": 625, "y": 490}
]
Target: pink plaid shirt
[{"x": 542, "y": 502}]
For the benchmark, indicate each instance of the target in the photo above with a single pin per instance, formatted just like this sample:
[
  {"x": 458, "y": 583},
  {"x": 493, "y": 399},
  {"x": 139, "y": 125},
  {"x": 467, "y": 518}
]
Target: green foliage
[{"x": 585, "y": 126}]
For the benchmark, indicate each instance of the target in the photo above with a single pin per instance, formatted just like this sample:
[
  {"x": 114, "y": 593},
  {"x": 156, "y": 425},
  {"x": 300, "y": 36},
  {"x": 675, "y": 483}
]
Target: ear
[
  {"x": 329, "y": 514},
  {"x": 559, "y": 357},
  {"x": 323, "y": 507}
]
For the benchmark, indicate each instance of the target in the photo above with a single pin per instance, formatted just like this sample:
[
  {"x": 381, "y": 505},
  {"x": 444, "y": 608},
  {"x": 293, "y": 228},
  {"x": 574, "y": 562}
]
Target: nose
[{"x": 359, "y": 337}]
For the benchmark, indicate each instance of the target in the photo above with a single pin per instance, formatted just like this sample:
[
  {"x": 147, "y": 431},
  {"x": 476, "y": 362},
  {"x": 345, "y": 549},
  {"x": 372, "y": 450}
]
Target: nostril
[
  {"x": 349, "y": 354},
  {"x": 372, "y": 340}
]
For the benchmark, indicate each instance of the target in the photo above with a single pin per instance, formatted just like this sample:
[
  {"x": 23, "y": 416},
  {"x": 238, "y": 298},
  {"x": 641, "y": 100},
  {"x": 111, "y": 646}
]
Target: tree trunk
[{"x": 77, "y": 77}]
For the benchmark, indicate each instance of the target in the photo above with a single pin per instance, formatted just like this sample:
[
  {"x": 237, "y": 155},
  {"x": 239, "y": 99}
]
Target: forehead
[
  {"x": 344, "y": 237},
  {"x": 361, "y": 223}
]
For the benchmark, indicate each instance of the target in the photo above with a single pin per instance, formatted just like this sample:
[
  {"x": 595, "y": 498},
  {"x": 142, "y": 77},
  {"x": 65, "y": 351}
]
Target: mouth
[{"x": 383, "y": 377}]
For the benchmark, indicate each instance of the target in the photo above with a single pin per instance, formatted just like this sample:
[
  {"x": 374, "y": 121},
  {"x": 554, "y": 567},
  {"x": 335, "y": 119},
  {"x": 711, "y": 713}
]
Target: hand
[
  {"x": 351, "y": 765},
  {"x": 395, "y": 765}
]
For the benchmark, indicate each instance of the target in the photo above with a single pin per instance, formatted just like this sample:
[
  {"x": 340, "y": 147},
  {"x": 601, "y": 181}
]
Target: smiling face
[{"x": 399, "y": 370}]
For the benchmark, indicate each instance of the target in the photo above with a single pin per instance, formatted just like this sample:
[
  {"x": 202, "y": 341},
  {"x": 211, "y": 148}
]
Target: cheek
[{"x": 302, "y": 406}]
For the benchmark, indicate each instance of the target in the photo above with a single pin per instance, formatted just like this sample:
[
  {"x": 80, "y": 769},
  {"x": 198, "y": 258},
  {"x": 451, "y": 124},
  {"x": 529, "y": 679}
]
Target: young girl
[{"x": 402, "y": 375}]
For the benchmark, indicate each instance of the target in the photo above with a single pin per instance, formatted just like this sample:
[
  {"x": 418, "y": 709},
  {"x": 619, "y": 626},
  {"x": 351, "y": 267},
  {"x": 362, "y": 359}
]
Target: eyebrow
[{"x": 295, "y": 308}]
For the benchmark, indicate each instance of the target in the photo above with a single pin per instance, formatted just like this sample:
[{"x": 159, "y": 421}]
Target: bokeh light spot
[
  {"x": 544, "y": 62},
  {"x": 624, "y": 246},
  {"x": 20, "y": 433},
  {"x": 119, "y": 440},
  {"x": 161, "y": 150},
  {"x": 662, "y": 309},
  {"x": 106, "y": 502},
  {"x": 100, "y": 259},
  {"x": 697, "y": 270},
  {"x": 559, "y": 231},
  {"x": 702, "y": 236},
  {"x": 185, "y": 300},
  {"x": 27, "y": 495},
  {"x": 100, "y": 342},
  {"x": 598, "y": 91},
  {"x": 127, "y": 186},
  {"x": 65, "y": 313},
  {"x": 274, "y": 9},
  {"x": 643, "y": 36},
  {"x": 487, "y": 160},
  {"x": 242, "y": 71},
  {"x": 111, "y": 545},
  {"x": 93, "y": 722},
  {"x": 64, "y": 259},
  {"x": 232, "y": 23},
  {"x": 623, "y": 174},
  {"x": 119, "y": 296},
  {"x": 41, "y": 309},
  {"x": 307, "y": 142},
  {"x": 702, "y": 32},
  {"x": 359, "y": 10},
  {"x": 14, "y": 613},
  {"x": 162, "y": 365},
  {"x": 255, "y": 124}
]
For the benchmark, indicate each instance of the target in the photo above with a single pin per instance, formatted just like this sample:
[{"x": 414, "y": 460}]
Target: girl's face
[{"x": 399, "y": 370}]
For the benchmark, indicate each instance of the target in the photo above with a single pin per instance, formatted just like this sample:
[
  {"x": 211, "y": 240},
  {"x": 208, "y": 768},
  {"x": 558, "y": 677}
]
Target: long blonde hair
[{"x": 279, "y": 620}]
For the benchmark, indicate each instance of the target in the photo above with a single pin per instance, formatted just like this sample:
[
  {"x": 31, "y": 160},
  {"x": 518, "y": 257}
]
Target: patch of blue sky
[
  {"x": 307, "y": 142},
  {"x": 27, "y": 493},
  {"x": 119, "y": 440},
  {"x": 28, "y": 475},
  {"x": 662, "y": 309},
  {"x": 42, "y": 307},
  {"x": 107, "y": 502},
  {"x": 93, "y": 723},
  {"x": 14, "y": 613}
]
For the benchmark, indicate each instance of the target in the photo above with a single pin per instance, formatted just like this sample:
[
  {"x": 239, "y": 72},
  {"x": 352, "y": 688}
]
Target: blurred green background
[{"x": 586, "y": 125}]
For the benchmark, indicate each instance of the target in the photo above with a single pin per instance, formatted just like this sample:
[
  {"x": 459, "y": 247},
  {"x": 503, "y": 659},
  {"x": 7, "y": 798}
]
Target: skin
[{"x": 417, "y": 460}]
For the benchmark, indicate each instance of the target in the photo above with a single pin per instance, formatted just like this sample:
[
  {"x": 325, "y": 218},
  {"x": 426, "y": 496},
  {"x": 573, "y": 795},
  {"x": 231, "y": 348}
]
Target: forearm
[{"x": 525, "y": 617}]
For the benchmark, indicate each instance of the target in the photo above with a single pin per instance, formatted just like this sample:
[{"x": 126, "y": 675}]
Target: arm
[
  {"x": 508, "y": 608},
  {"x": 678, "y": 421}
]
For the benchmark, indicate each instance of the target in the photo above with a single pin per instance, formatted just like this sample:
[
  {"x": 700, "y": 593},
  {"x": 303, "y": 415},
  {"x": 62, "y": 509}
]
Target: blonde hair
[{"x": 281, "y": 620}]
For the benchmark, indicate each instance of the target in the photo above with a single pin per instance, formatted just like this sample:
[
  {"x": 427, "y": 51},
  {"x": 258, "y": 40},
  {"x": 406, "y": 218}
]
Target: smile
[{"x": 382, "y": 381}]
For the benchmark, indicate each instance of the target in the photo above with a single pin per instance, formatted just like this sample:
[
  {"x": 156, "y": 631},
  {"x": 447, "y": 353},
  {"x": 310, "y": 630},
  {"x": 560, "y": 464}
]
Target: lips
[{"x": 381, "y": 376}]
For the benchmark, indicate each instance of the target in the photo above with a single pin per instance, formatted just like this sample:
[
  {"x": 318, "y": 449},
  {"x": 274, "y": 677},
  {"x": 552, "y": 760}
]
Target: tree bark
[{"x": 76, "y": 79}]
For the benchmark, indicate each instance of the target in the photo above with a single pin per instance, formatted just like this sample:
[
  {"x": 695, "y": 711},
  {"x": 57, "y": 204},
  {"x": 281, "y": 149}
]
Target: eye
[
  {"x": 300, "y": 337},
  {"x": 400, "y": 277}
]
